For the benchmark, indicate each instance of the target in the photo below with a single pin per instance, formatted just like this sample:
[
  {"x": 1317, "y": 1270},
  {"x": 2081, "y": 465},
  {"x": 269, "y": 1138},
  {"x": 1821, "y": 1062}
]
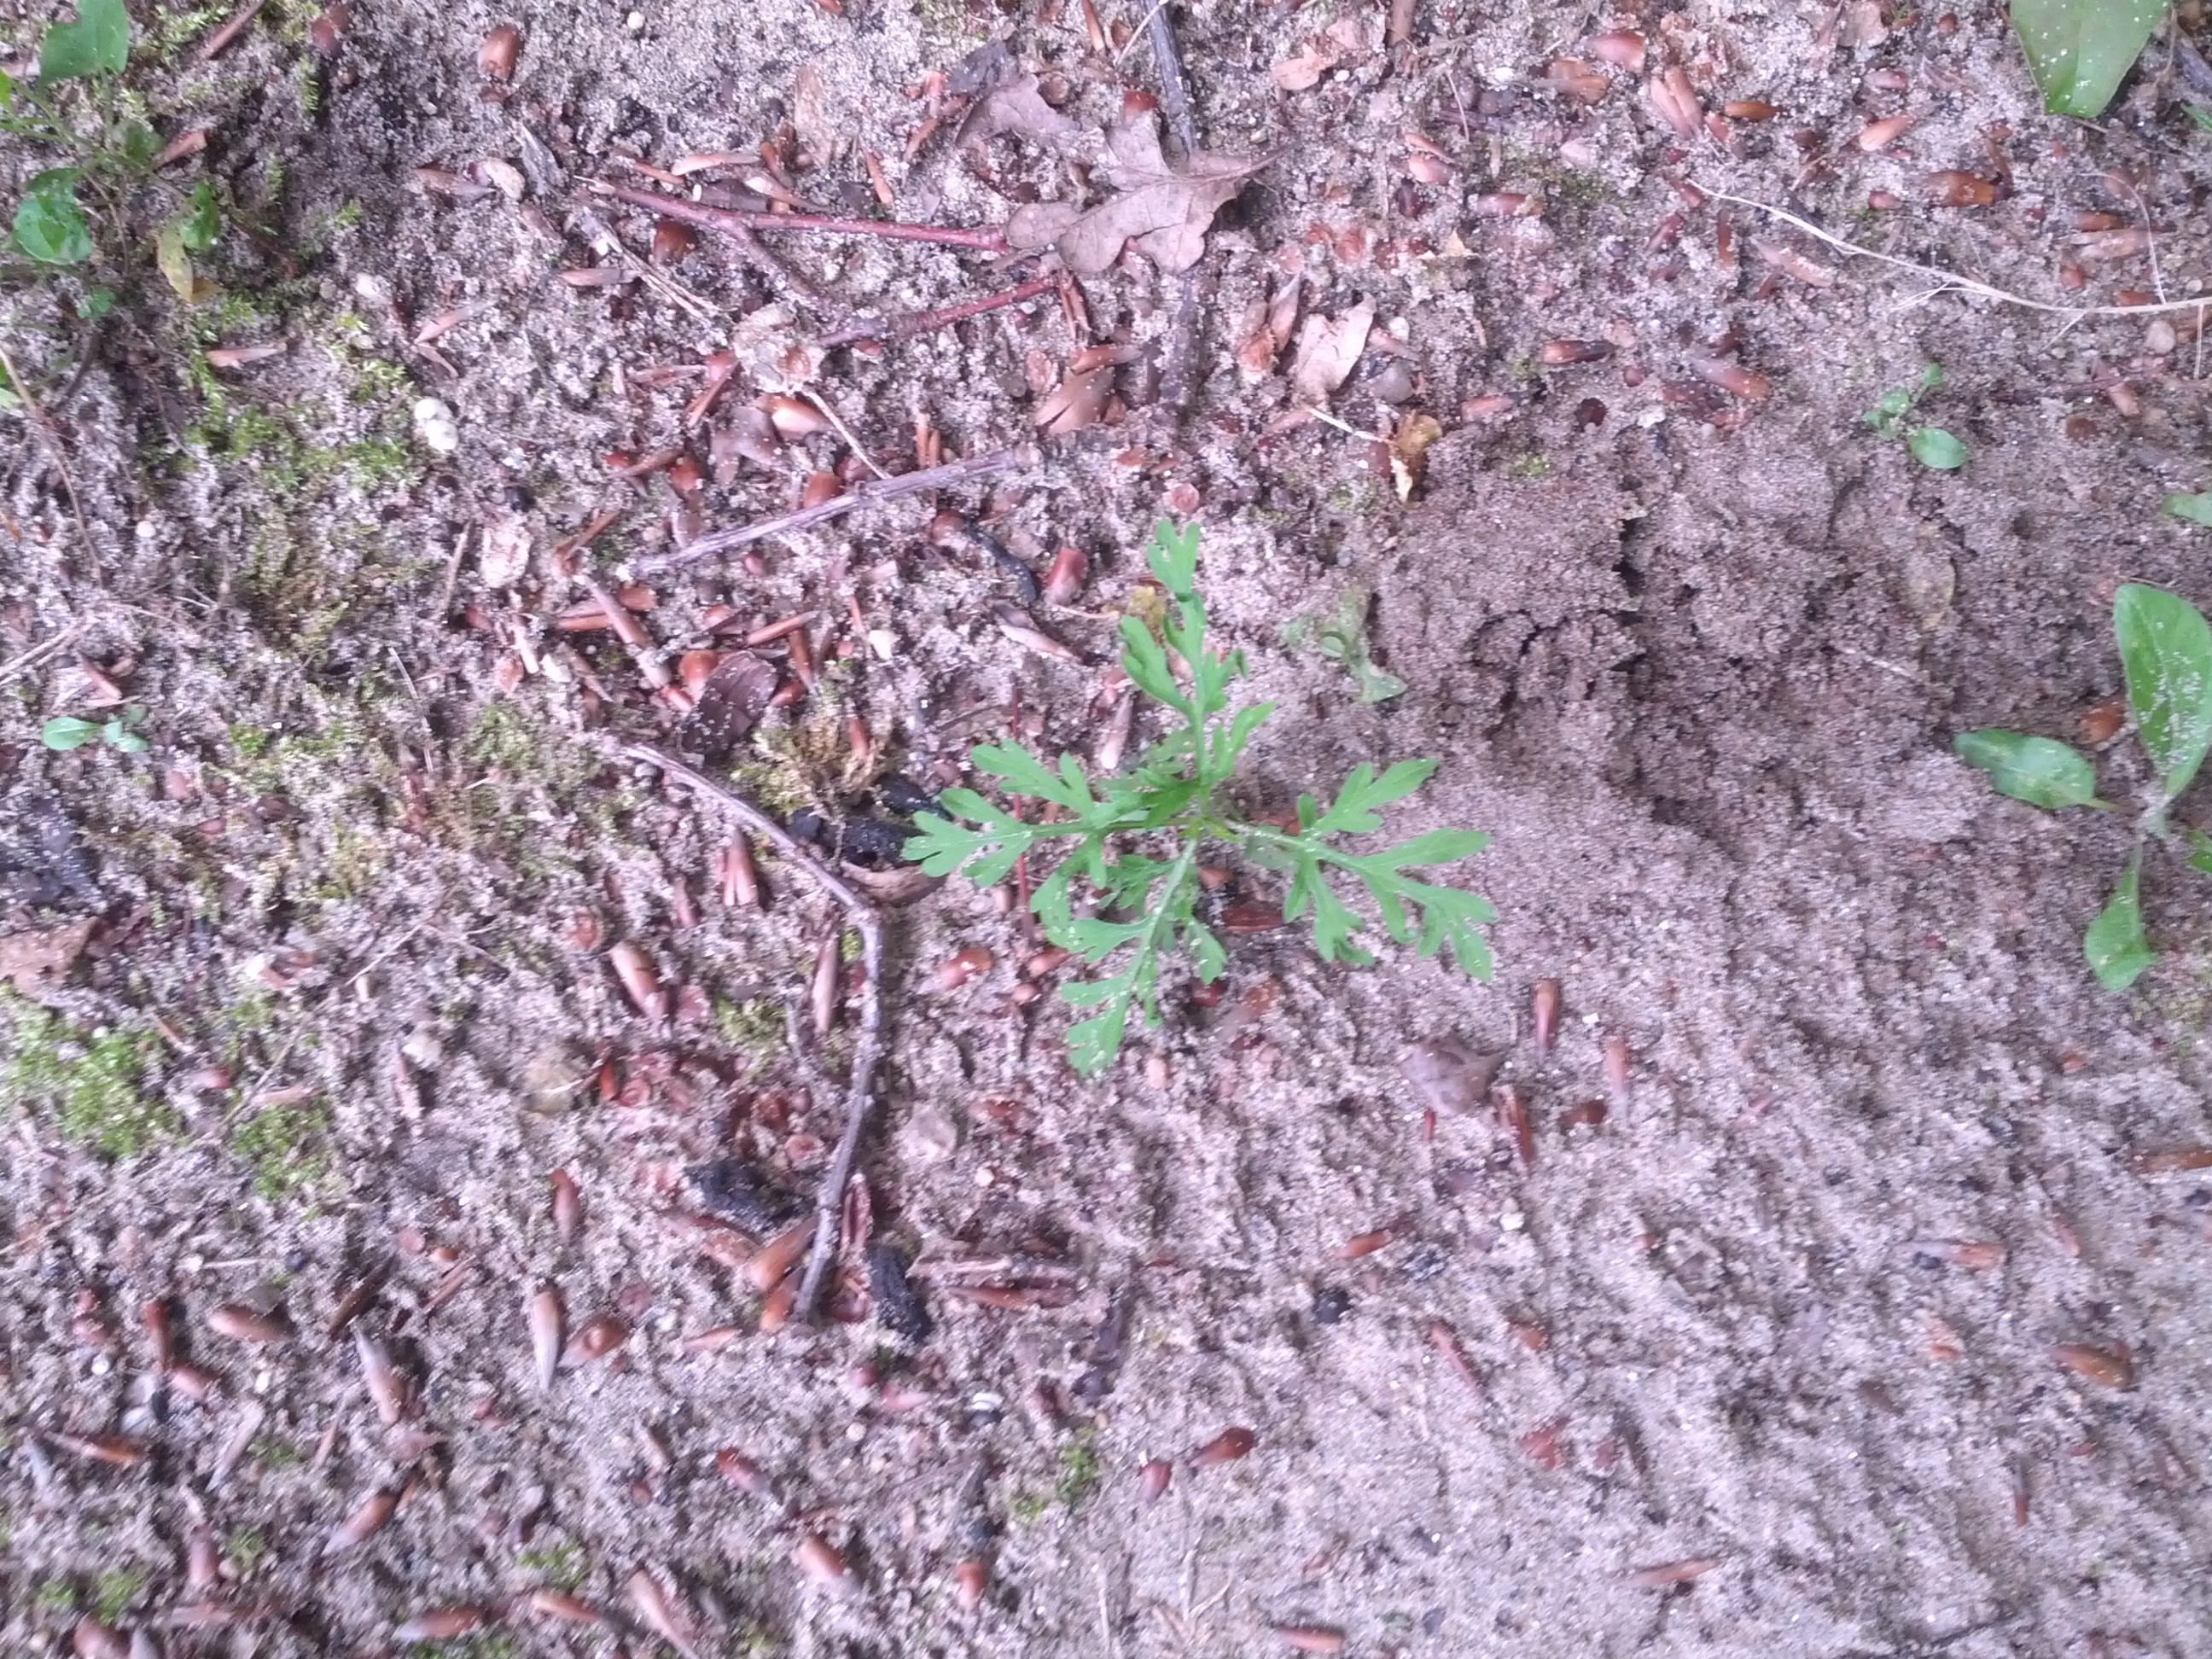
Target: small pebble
[{"x": 434, "y": 425}]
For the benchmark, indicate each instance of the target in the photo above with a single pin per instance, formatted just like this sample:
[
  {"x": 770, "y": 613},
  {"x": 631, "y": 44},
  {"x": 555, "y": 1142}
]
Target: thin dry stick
[
  {"x": 843, "y": 431},
  {"x": 991, "y": 240},
  {"x": 921, "y": 322},
  {"x": 1950, "y": 280},
  {"x": 907, "y": 484},
  {"x": 54, "y": 439},
  {"x": 39, "y": 654},
  {"x": 606, "y": 241},
  {"x": 830, "y": 1200}
]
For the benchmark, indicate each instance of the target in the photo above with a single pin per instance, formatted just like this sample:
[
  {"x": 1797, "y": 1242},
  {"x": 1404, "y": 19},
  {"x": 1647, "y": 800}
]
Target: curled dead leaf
[
  {"x": 1328, "y": 350},
  {"x": 1409, "y": 450},
  {"x": 1077, "y": 402},
  {"x": 1161, "y": 209}
]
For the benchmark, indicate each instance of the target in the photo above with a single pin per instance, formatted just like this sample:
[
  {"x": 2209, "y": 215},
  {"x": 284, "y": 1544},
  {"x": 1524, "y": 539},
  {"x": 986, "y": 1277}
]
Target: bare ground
[{"x": 1792, "y": 1309}]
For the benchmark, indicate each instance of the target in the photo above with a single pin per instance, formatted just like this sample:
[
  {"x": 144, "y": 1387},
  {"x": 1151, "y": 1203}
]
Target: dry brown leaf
[
  {"x": 1164, "y": 210},
  {"x": 1304, "y": 72},
  {"x": 1328, "y": 350},
  {"x": 1267, "y": 330},
  {"x": 36, "y": 961},
  {"x": 1018, "y": 107},
  {"x": 1077, "y": 402},
  {"x": 1409, "y": 450},
  {"x": 1449, "y": 1075}
]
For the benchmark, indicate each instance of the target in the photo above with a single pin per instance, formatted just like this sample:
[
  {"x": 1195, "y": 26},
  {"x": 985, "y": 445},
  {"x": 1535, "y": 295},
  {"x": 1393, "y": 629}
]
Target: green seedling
[
  {"x": 118, "y": 731},
  {"x": 1930, "y": 445},
  {"x": 2166, "y": 653},
  {"x": 1169, "y": 803},
  {"x": 77, "y": 105},
  {"x": 2079, "y": 50},
  {"x": 1341, "y": 636},
  {"x": 2194, "y": 509}
]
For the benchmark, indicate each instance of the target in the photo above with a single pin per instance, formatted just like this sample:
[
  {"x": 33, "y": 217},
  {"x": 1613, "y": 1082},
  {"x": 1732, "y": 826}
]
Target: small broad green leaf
[
  {"x": 2115, "y": 945},
  {"x": 2196, "y": 508},
  {"x": 202, "y": 218},
  {"x": 67, "y": 731},
  {"x": 96, "y": 304},
  {"x": 50, "y": 226},
  {"x": 2040, "y": 771},
  {"x": 97, "y": 42},
  {"x": 9, "y": 399},
  {"x": 1933, "y": 447},
  {"x": 2165, "y": 650},
  {"x": 176, "y": 264},
  {"x": 140, "y": 144},
  {"x": 2200, "y": 851},
  {"x": 2079, "y": 50},
  {"x": 1931, "y": 376}
]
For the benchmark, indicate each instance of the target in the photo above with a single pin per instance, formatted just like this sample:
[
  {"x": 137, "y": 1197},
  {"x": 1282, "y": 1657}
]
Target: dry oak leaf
[
  {"x": 36, "y": 961},
  {"x": 1161, "y": 209},
  {"x": 1267, "y": 330},
  {"x": 1329, "y": 349},
  {"x": 1018, "y": 107}
]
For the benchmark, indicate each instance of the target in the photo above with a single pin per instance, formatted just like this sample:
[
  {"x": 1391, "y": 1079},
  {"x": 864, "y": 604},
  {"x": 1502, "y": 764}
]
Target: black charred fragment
[
  {"x": 731, "y": 1190},
  {"x": 870, "y": 842},
  {"x": 898, "y": 1309},
  {"x": 1106, "y": 1345}
]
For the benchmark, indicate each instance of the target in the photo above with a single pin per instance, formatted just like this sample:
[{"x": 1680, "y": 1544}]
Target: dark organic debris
[
  {"x": 870, "y": 842},
  {"x": 898, "y": 1309},
  {"x": 730, "y": 704},
  {"x": 732, "y": 1189}
]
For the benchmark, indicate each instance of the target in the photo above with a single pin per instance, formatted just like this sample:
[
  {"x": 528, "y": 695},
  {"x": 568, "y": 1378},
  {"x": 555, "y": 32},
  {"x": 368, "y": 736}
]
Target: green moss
[
  {"x": 1026, "y": 1509},
  {"x": 1079, "y": 1474},
  {"x": 1529, "y": 467},
  {"x": 114, "y": 1591},
  {"x": 1582, "y": 189},
  {"x": 754, "y": 1024},
  {"x": 93, "y": 1089},
  {"x": 561, "y": 1565},
  {"x": 56, "y": 1596},
  {"x": 175, "y": 31},
  {"x": 281, "y": 1145},
  {"x": 245, "y": 1548}
]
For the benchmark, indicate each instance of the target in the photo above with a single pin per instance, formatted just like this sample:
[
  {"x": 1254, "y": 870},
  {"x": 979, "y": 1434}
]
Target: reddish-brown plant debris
[
  {"x": 244, "y": 1324},
  {"x": 1153, "y": 1478},
  {"x": 559, "y": 1604},
  {"x": 2108, "y": 1368},
  {"x": 659, "y": 1612},
  {"x": 1225, "y": 1448},
  {"x": 824, "y": 1566},
  {"x": 367, "y": 1519},
  {"x": 546, "y": 1319},
  {"x": 1544, "y": 1011},
  {"x": 1671, "y": 1572},
  {"x": 567, "y": 1207},
  {"x": 1447, "y": 1348},
  {"x": 441, "y": 1624},
  {"x": 1309, "y": 1638},
  {"x": 495, "y": 56}
]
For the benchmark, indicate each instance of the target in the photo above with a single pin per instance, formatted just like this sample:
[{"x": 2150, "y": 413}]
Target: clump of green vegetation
[
  {"x": 96, "y": 1089},
  {"x": 56, "y": 1598},
  {"x": 1169, "y": 801},
  {"x": 1931, "y": 446},
  {"x": 245, "y": 1548},
  {"x": 119, "y": 730},
  {"x": 754, "y": 1024},
  {"x": 280, "y": 1145},
  {"x": 1340, "y": 635},
  {"x": 1080, "y": 1472},
  {"x": 2166, "y": 654},
  {"x": 115, "y": 1590},
  {"x": 561, "y": 1565},
  {"x": 78, "y": 106}
]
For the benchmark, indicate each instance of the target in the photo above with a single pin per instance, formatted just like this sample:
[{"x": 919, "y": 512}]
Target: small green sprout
[
  {"x": 2166, "y": 654},
  {"x": 119, "y": 732},
  {"x": 1147, "y": 902},
  {"x": 1931, "y": 446},
  {"x": 1341, "y": 636}
]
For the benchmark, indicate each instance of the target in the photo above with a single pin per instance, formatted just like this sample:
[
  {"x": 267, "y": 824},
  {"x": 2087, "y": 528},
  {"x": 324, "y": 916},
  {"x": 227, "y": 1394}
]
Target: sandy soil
[{"x": 1769, "y": 1359}]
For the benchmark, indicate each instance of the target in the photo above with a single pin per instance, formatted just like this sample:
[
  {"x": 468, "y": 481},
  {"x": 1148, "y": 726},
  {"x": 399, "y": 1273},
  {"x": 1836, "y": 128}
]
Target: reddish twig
[
  {"x": 935, "y": 477},
  {"x": 730, "y": 221},
  {"x": 830, "y": 1200},
  {"x": 921, "y": 322}
]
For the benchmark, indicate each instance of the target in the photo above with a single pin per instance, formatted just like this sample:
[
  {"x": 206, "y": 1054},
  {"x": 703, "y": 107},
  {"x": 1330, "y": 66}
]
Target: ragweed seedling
[
  {"x": 1931, "y": 446},
  {"x": 1167, "y": 804},
  {"x": 2166, "y": 653},
  {"x": 119, "y": 730}
]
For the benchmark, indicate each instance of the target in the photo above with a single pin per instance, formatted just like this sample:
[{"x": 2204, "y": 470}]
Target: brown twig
[
  {"x": 729, "y": 221},
  {"x": 908, "y": 484},
  {"x": 61, "y": 459},
  {"x": 1179, "y": 364},
  {"x": 921, "y": 322},
  {"x": 235, "y": 26},
  {"x": 866, "y": 921}
]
